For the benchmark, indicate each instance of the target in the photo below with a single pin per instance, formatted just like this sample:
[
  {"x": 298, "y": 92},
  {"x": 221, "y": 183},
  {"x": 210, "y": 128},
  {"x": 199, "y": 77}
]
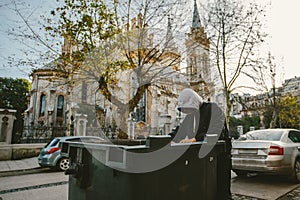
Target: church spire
[
  {"x": 169, "y": 37},
  {"x": 196, "y": 18}
]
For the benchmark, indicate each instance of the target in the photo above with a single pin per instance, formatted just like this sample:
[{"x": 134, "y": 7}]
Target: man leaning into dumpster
[{"x": 196, "y": 125}]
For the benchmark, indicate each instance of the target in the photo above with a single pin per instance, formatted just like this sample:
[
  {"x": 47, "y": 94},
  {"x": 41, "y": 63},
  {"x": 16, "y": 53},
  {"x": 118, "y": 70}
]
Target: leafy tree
[
  {"x": 246, "y": 122},
  {"x": 83, "y": 24},
  {"x": 94, "y": 30},
  {"x": 271, "y": 113},
  {"x": 133, "y": 50},
  {"x": 233, "y": 124},
  {"x": 103, "y": 38},
  {"x": 289, "y": 114},
  {"x": 150, "y": 63},
  {"x": 13, "y": 94},
  {"x": 267, "y": 116},
  {"x": 251, "y": 121},
  {"x": 235, "y": 30}
]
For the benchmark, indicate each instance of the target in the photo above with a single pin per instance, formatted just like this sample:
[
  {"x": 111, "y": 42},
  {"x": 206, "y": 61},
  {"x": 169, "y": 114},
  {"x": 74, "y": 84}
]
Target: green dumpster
[{"x": 153, "y": 169}]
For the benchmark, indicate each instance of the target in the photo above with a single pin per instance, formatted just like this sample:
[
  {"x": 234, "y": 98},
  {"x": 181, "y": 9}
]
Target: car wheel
[
  {"x": 296, "y": 172},
  {"x": 63, "y": 164},
  {"x": 241, "y": 173}
]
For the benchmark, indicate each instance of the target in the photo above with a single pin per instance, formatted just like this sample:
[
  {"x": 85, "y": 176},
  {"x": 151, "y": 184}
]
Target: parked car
[
  {"x": 50, "y": 155},
  {"x": 274, "y": 151}
]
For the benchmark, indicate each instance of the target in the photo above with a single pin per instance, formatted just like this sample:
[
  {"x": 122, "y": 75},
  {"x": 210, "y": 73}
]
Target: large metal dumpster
[{"x": 168, "y": 171}]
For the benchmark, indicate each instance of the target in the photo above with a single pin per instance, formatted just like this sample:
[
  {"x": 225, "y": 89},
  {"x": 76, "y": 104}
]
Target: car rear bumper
[
  {"x": 47, "y": 161},
  {"x": 273, "y": 165}
]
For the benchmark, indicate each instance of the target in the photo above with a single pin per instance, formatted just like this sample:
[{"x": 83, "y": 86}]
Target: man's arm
[{"x": 188, "y": 140}]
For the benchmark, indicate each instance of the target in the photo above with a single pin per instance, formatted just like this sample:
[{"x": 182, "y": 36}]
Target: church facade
[{"x": 56, "y": 108}]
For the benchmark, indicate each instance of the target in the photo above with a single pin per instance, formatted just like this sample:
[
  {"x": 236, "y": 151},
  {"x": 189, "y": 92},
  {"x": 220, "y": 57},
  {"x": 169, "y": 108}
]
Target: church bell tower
[{"x": 198, "y": 65}]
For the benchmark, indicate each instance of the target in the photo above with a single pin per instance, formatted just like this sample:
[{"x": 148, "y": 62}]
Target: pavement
[
  {"x": 23, "y": 166},
  {"x": 30, "y": 165},
  {"x": 15, "y": 165}
]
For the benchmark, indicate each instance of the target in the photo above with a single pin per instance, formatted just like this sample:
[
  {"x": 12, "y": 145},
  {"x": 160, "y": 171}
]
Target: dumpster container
[{"x": 114, "y": 172}]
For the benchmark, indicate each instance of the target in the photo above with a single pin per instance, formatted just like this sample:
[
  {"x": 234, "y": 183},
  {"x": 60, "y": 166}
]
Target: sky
[
  {"x": 282, "y": 27},
  {"x": 284, "y": 30}
]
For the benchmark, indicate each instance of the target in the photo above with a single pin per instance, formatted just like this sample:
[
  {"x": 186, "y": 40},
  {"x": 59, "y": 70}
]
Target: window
[
  {"x": 84, "y": 93},
  {"x": 60, "y": 106},
  {"x": 190, "y": 67},
  {"x": 294, "y": 136},
  {"x": 42, "y": 105},
  {"x": 140, "y": 114},
  {"x": 140, "y": 111},
  {"x": 195, "y": 66},
  {"x": 52, "y": 143},
  {"x": 269, "y": 135}
]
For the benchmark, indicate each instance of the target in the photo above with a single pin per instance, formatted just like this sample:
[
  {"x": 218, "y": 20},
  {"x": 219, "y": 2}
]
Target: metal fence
[
  {"x": 41, "y": 134},
  {"x": 44, "y": 134}
]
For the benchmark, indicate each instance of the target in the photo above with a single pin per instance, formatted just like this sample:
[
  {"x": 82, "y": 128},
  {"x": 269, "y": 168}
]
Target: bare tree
[
  {"x": 23, "y": 25},
  {"x": 235, "y": 30},
  {"x": 274, "y": 89},
  {"x": 144, "y": 49},
  {"x": 103, "y": 39},
  {"x": 272, "y": 68}
]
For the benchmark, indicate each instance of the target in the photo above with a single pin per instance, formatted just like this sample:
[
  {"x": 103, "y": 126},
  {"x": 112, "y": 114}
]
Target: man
[
  {"x": 201, "y": 118},
  {"x": 204, "y": 118}
]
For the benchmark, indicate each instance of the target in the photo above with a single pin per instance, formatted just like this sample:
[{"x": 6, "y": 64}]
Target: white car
[{"x": 274, "y": 151}]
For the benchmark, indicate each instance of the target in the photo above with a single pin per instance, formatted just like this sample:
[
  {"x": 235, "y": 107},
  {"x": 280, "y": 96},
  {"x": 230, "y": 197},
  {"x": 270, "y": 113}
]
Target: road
[
  {"x": 262, "y": 186},
  {"x": 48, "y": 185}
]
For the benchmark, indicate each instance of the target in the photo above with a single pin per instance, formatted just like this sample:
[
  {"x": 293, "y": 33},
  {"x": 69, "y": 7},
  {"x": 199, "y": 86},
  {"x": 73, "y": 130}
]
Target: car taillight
[
  {"x": 276, "y": 150},
  {"x": 52, "y": 150}
]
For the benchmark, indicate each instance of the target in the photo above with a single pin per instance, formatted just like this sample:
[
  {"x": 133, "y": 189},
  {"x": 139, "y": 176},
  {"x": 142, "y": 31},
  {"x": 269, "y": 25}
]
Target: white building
[
  {"x": 63, "y": 107},
  {"x": 292, "y": 86}
]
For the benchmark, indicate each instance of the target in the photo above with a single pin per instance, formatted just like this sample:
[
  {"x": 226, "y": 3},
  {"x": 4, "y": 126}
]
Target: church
[{"x": 57, "y": 108}]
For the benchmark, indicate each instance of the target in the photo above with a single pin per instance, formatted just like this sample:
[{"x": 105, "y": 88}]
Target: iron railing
[{"x": 41, "y": 134}]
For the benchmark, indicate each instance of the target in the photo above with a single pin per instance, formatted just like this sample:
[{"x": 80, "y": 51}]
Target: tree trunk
[
  {"x": 122, "y": 123},
  {"x": 228, "y": 107}
]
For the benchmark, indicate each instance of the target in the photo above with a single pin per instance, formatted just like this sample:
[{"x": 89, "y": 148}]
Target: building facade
[
  {"x": 58, "y": 107},
  {"x": 198, "y": 65},
  {"x": 292, "y": 86},
  {"x": 255, "y": 105}
]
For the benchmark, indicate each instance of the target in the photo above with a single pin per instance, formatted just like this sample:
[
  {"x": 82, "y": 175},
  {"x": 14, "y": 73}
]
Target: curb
[
  {"x": 23, "y": 171},
  {"x": 291, "y": 194}
]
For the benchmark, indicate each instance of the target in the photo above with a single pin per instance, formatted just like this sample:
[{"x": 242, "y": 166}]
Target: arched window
[
  {"x": 42, "y": 105},
  {"x": 140, "y": 114},
  {"x": 60, "y": 106},
  {"x": 84, "y": 92}
]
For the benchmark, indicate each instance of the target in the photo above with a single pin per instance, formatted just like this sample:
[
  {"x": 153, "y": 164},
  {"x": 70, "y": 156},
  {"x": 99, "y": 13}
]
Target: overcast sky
[
  {"x": 283, "y": 22},
  {"x": 282, "y": 26}
]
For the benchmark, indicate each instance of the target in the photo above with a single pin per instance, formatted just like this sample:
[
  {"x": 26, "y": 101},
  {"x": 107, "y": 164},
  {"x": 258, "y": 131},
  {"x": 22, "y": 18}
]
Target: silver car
[
  {"x": 50, "y": 155},
  {"x": 269, "y": 151}
]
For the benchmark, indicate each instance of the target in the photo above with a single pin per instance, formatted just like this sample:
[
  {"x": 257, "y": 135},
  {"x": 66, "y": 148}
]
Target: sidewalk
[{"x": 19, "y": 165}]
